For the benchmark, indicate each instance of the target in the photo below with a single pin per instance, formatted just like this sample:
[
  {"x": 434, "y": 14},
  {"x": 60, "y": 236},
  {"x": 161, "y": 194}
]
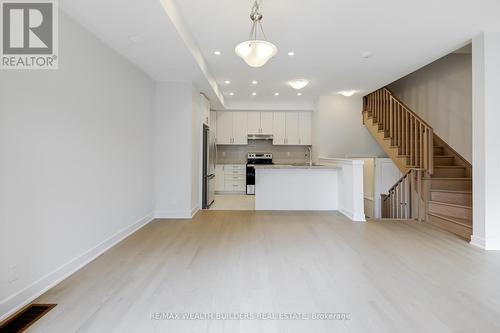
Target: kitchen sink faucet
[{"x": 310, "y": 156}]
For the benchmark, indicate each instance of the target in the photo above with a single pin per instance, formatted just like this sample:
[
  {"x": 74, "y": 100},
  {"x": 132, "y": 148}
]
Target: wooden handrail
[
  {"x": 408, "y": 193},
  {"x": 407, "y": 131},
  {"x": 403, "y": 177}
]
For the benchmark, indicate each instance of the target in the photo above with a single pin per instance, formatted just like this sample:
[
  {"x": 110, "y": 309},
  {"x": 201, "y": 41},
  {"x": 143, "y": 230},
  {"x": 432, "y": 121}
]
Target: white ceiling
[{"x": 327, "y": 36}]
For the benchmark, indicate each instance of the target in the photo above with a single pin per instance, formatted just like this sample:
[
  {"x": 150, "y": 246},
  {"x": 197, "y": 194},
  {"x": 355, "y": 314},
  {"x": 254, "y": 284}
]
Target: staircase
[{"x": 436, "y": 186}]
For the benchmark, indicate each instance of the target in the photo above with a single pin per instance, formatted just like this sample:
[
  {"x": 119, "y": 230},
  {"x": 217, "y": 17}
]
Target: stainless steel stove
[{"x": 252, "y": 160}]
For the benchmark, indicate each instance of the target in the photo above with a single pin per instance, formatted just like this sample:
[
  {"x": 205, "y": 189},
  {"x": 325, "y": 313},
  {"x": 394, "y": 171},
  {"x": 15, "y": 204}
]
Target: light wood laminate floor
[
  {"x": 390, "y": 277},
  {"x": 233, "y": 202}
]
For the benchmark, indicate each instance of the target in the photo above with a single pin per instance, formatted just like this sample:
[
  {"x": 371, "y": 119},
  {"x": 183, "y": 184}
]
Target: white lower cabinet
[{"x": 230, "y": 178}]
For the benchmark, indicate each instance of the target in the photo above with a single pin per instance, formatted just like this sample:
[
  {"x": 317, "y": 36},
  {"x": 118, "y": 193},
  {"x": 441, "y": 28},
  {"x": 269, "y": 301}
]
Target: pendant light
[{"x": 256, "y": 52}]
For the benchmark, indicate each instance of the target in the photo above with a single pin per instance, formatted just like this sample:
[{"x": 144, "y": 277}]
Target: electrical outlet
[
  {"x": 288, "y": 154},
  {"x": 223, "y": 154},
  {"x": 12, "y": 274}
]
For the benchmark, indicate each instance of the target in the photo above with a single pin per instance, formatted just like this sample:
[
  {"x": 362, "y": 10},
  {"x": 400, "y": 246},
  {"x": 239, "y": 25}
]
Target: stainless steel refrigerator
[{"x": 209, "y": 161}]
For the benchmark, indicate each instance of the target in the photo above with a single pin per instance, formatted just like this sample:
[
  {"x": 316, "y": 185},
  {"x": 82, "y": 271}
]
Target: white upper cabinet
[
  {"x": 224, "y": 127},
  {"x": 292, "y": 128},
  {"x": 254, "y": 123},
  {"x": 305, "y": 123},
  {"x": 287, "y": 128},
  {"x": 232, "y": 128},
  {"x": 260, "y": 123},
  {"x": 279, "y": 128},
  {"x": 240, "y": 128},
  {"x": 205, "y": 109},
  {"x": 266, "y": 122}
]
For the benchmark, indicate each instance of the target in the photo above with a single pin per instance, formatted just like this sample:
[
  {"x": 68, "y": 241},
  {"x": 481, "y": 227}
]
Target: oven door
[{"x": 250, "y": 179}]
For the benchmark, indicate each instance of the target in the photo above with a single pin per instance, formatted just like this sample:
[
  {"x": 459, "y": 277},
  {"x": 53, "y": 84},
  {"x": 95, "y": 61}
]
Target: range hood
[{"x": 260, "y": 136}]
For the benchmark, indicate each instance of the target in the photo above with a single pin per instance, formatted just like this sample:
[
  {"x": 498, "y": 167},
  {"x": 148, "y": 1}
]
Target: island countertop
[{"x": 295, "y": 166}]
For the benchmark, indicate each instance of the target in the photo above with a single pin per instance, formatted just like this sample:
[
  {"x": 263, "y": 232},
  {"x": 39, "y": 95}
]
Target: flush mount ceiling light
[
  {"x": 347, "y": 93},
  {"x": 298, "y": 83},
  {"x": 256, "y": 52}
]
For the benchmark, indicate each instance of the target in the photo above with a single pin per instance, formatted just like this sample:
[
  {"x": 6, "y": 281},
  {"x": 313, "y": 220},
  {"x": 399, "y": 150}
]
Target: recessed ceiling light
[
  {"x": 254, "y": 94},
  {"x": 217, "y": 52},
  {"x": 299, "y": 94},
  {"x": 366, "y": 54},
  {"x": 231, "y": 94},
  {"x": 276, "y": 94},
  {"x": 227, "y": 82},
  {"x": 255, "y": 82},
  {"x": 291, "y": 53},
  {"x": 298, "y": 83},
  {"x": 347, "y": 93}
]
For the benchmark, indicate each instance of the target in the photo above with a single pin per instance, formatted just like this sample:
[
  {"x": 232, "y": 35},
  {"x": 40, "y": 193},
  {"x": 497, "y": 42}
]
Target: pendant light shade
[{"x": 256, "y": 52}]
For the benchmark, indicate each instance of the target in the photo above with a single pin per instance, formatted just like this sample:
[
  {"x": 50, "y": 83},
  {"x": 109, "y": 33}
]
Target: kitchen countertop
[{"x": 294, "y": 166}]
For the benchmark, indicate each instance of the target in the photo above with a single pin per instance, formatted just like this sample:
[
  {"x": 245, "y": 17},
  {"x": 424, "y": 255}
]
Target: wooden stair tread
[
  {"x": 449, "y": 204},
  {"x": 443, "y": 156},
  {"x": 463, "y": 222},
  {"x": 449, "y": 166},
  {"x": 452, "y": 191},
  {"x": 454, "y": 178}
]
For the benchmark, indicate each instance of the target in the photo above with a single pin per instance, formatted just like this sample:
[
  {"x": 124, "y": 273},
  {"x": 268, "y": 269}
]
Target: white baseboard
[
  {"x": 485, "y": 244},
  {"x": 22, "y": 298},
  {"x": 352, "y": 217},
  {"x": 477, "y": 242},
  {"x": 180, "y": 214}
]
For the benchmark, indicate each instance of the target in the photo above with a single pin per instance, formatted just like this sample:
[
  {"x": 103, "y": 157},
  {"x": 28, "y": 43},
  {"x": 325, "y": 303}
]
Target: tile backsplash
[{"x": 281, "y": 154}]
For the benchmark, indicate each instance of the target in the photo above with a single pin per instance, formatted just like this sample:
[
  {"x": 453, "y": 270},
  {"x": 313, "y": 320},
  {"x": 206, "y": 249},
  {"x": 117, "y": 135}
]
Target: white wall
[
  {"x": 486, "y": 136},
  {"x": 177, "y": 150},
  {"x": 441, "y": 93},
  {"x": 196, "y": 149},
  {"x": 76, "y": 170},
  {"x": 338, "y": 129},
  {"x": 350, "y": 186}
]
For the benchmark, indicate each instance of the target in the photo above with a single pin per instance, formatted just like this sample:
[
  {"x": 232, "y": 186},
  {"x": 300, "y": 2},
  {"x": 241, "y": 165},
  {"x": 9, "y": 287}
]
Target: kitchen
[{"x": 243, "y": 146}]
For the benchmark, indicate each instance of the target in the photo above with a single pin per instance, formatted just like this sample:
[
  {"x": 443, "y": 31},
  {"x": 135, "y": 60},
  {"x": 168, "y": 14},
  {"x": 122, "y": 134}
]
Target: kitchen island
[{"x": 296, "y": 187}]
